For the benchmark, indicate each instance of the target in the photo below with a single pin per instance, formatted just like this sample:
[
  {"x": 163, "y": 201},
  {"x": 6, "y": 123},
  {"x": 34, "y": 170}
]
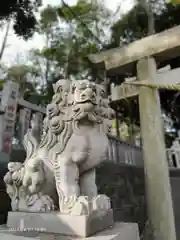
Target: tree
[
  {"x": 70, "y": 34},
  {"x": 75, "y": 41},
  {"x": 43, "y": 60},
  {"x": 22, "y": 12}
]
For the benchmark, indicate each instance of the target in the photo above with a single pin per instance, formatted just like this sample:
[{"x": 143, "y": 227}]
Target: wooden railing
[{"x": 124, "y": 153}]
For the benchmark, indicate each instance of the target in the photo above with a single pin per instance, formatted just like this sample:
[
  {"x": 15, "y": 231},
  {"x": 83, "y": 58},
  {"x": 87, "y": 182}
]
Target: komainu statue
[{"x": 59, "y": 169}]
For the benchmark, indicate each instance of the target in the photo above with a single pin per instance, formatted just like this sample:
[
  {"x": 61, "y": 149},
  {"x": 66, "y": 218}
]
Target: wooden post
[{"x": 158, "y": 187}]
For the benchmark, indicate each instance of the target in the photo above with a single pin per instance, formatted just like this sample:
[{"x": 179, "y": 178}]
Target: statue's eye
[
  {"x": 102, "y": 93},
  {"x": 60, "y": 89}
]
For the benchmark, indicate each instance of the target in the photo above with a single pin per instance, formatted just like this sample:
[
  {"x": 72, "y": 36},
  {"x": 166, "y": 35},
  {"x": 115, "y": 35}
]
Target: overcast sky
[{"x": 18, "y": 47}]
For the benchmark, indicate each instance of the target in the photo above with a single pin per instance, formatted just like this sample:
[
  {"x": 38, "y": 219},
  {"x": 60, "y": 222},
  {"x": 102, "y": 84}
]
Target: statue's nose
[{"x": 89, "y": 92}]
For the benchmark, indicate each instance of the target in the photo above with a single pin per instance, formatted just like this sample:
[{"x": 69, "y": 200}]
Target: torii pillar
[{"x": 158, "y": 189}]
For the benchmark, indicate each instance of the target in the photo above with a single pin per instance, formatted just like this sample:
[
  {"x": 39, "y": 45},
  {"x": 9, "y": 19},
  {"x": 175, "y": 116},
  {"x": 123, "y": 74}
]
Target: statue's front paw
[
  {"x": 39, "y": 203},
  {"x": 8, "y": 178},
  {"x": 14, "y": 166},
  {"x": 101, "y": 202},
  {"x": 81, "y": 207}
]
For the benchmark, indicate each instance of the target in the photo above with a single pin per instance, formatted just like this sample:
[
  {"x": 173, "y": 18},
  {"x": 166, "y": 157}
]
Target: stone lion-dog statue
[{"x": 59, "y": 169}]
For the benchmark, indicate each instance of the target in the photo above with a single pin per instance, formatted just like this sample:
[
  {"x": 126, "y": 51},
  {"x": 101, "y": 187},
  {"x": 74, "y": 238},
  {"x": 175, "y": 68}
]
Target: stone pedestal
[
  {"x": 69, "y": 225},
  {"x": 120, "y": 231}
]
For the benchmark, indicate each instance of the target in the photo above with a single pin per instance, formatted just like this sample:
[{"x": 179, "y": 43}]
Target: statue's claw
[
  {"x": 81, "y": 207},
  {"x": 101, "y": 202}
]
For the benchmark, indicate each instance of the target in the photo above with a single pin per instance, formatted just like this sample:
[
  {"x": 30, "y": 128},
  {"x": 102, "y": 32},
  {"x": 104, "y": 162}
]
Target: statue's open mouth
[{"x": 88, "y": 101}]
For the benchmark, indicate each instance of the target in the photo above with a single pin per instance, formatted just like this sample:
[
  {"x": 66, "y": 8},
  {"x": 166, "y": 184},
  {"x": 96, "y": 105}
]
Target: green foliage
[
  {"x": 23, "y": 15},
  {"x": 81, "y": 9},
  {"x": 70, "y": 35},
  {"x": 48, "y": 18},
  {"x": 133, "y": 26}
]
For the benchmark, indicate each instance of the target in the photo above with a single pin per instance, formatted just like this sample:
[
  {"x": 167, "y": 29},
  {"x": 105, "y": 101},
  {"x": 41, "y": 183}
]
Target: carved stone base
[
  {"x": 69, "y": 225},
  {"x": 120, "y": 231}
]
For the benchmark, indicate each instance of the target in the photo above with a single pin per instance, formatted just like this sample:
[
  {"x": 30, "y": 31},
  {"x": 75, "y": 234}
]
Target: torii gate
[{"x": 143, "y": 54}]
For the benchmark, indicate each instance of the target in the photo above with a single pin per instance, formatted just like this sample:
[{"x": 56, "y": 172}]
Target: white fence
[
  {"x": 123, "y": 153},
  {"x": 173, "y": 156}
]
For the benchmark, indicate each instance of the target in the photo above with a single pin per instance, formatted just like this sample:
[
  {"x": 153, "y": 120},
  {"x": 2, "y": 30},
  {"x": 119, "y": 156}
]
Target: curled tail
[{"x": 32, "y": 138}]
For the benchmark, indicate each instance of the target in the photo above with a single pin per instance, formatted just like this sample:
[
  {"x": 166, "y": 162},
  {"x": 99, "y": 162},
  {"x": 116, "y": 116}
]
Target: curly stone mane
[
  {"x": 60, "y": 128},
  {"x": 56, "y": 139},
  {"x": 32, "y": 138}
]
